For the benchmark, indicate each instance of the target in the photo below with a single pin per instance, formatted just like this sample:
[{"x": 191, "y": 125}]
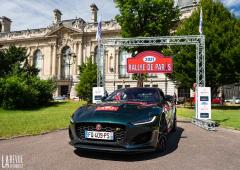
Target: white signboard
[
  {"x": 98, "y": 93},
  {"x": 204, "y": 103}
]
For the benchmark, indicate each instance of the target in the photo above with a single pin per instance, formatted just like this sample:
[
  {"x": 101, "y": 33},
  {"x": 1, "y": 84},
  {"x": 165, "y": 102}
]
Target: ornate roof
[{"x": 185, "y": 3}]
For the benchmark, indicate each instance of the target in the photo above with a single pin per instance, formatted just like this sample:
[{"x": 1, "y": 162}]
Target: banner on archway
[{"x": 150, "y": 62}]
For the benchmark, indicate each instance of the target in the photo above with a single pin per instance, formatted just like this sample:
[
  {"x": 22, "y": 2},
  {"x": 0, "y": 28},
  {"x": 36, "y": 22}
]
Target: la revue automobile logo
[{"x": 98, "y": 127}]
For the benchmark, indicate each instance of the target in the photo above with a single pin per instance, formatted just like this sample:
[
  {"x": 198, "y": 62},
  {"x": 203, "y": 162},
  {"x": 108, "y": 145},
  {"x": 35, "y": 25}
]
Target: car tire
[
  {"x": 162, "y": 143},
  {"x": 162, "y": 136},
  {"x": 174, "y": 126},
  {"x": 163, "y": 125}
]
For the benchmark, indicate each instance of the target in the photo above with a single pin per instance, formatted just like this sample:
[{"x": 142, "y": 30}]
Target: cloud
[
  {"x": 231, "y": 3},
  {"x": 236, "y": 12},
  {"x": 29, "y": 14},
  {"x": 233, "y": 6}
]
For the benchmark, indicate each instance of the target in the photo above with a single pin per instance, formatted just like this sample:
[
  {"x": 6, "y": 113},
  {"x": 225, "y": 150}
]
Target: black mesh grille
[{"x": 118, "y": 130}]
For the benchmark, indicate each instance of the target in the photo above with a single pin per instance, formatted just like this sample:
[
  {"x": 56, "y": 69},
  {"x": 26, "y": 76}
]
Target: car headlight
[
  {"x": 147, "y": 121},
  {"x": 71, "y": 120}
]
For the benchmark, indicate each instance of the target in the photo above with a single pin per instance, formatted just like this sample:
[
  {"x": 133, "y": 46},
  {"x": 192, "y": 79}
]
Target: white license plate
[{"x": 99, "y": 135}]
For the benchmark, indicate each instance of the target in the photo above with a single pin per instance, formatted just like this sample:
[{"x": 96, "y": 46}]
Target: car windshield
[{"x": 135, "y": 94}]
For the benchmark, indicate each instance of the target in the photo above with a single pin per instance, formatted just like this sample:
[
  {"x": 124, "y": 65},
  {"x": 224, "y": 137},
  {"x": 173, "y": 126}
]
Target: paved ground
[{"x": 188, "y": 148}]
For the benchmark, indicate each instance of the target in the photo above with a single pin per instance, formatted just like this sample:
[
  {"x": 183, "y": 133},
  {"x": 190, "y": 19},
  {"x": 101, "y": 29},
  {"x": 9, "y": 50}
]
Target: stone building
[{"x": 58, "y": 49}]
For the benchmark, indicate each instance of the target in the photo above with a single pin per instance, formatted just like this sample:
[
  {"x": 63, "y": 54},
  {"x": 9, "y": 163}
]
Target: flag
[
  {"x": 200, "y": 23},
  {"x": 99, "y": 30}
]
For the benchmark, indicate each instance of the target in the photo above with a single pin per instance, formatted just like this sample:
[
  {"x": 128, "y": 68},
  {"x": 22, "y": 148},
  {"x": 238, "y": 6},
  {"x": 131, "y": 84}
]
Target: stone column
[
  {"x": 51, "y": 60},
  {"x": 54, "y": 60},
  {"x": 80, "y": 54},
  {"x": 59, "y": 66},
  {"x": 74, "y": 68},
  {"x": 116, "y": 61},
  {"x": 77, "y": 59}
]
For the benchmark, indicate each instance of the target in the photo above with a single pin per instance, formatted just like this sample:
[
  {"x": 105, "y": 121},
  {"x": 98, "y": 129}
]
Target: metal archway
[{"x": 198, "y": 40}]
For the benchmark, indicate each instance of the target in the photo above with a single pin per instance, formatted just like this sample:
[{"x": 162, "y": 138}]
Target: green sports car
[{"x": 128, "y": 120}]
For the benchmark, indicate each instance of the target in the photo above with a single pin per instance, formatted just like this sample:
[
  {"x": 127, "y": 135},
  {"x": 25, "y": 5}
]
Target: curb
[{"x": 38, "y": 134}]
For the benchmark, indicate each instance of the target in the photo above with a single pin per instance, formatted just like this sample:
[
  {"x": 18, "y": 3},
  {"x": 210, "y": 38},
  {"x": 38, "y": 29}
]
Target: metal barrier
[{"x": 205, "y": 124}]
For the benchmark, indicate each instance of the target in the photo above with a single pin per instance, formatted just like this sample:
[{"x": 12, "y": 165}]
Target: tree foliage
[
  {"x": 20, "y": 87},
  {"x": 88, "y": 80},
  {"x": 11, "y": 58},
  {"x": 14, "y": 60},
  {"x": 222, "y": 34},
  {"x": 146, "y": 18}
]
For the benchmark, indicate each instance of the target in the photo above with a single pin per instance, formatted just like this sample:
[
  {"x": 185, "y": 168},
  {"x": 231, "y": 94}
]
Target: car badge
[{"x": 98, "y": 127}]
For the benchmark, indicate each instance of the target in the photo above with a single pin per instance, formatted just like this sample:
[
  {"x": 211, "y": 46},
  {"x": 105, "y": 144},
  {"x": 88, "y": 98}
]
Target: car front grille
[{"x": 118, "y": 130}]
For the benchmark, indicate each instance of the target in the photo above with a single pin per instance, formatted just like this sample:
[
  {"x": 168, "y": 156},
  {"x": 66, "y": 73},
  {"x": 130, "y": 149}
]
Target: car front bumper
[{"x": 142, "y": 138}]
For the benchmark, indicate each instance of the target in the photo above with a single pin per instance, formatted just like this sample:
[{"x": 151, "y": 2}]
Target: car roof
[
  {"x": 155, "y": 88},
  {"x": 139, "y": 88},
  {"x": 143, "y": 88}
]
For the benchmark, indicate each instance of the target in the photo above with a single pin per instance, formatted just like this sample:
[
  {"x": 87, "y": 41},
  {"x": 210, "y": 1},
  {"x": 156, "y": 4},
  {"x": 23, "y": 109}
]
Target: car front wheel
[
  {"x": 162, "y": 143},
  {"x": 174, "y": 126}
]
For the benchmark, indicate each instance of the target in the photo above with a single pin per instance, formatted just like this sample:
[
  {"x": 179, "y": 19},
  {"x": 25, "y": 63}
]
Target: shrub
[
  {"x": 20, "y": 87},
  {"x": 2, "y": 82},
  {"x": 45, "y": 89},
  {"x": 17, "y": 92},
  {"x": 88, "y": 80}
]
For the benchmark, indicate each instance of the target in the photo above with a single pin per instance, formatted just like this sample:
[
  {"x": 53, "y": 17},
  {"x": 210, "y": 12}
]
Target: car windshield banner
[{"x": 149, "y": 62}]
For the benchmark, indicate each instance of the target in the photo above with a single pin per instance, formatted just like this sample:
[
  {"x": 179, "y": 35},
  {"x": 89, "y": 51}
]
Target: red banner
[{"x": 149, "y": 62}]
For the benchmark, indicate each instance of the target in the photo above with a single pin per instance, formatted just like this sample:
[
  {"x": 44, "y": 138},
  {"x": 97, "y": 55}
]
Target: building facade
[{"x": 60, "y": 48}]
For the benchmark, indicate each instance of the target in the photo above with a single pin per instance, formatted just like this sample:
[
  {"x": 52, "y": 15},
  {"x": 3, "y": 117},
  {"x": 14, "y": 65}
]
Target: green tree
[
  {"x": 88, "y": 80},
  {"x": 146, "y": 18},
  {"x": 20, "y": 87},
  {"x": 81, "y": 68},
  {"x": 222, "y": 31},
  {"x": 14, "y": 60},
  {"x": 10, "y": 58}
]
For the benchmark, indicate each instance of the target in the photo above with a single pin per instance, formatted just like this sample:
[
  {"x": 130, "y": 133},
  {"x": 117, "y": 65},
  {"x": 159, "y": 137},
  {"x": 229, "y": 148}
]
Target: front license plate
[{"x": 99, "y": 135}]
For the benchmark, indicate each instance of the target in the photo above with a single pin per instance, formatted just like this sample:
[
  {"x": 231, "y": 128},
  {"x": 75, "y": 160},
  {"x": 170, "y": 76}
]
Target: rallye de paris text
[{"x": 149, "y": 67}]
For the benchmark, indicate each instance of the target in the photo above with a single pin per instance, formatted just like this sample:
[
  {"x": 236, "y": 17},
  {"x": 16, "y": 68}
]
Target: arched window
[
  {"x": 37, "y": 60},
  {"x": 122, "y": 66},
  {"x": 66, "y": 62}
]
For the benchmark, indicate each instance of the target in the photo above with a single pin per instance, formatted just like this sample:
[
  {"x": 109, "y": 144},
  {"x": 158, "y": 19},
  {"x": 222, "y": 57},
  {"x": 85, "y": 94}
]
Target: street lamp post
[{"x": 69, "y": 60}]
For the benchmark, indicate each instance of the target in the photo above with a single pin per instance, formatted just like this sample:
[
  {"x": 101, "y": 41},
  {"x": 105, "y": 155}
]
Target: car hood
[{"x": 127, "y": 112}]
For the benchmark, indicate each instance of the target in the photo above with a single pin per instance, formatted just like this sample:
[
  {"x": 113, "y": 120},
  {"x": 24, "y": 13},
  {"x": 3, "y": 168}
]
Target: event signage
[
  {"x": 98, "y": 93},
  {"x": 203, "y": 102},
  {"x": 149, "y": 62}
]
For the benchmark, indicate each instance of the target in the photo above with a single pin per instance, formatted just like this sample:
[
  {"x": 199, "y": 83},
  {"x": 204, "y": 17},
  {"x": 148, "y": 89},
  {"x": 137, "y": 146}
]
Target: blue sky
[{"x": 29, "y": 14}]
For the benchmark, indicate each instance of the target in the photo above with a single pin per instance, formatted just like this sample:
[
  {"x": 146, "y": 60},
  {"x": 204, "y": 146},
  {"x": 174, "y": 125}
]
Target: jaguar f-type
[{"x": 128, "y": 120}]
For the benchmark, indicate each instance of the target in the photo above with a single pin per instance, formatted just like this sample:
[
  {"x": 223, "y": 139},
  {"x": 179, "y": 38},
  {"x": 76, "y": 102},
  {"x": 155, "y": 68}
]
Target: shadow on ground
[
  {"x": 219, "y": 121},
  {"x": 184, "y": 121},
  {"x": 226, "y": 107},
  {"x": 172, "y": 145}
]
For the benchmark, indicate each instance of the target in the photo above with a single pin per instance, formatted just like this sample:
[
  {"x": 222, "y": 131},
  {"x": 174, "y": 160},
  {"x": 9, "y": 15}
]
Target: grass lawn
[
  {"x": 31, "y": 122},
  {"x": 57, "y": 116},
  {"x": 226, "y": 116}
]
